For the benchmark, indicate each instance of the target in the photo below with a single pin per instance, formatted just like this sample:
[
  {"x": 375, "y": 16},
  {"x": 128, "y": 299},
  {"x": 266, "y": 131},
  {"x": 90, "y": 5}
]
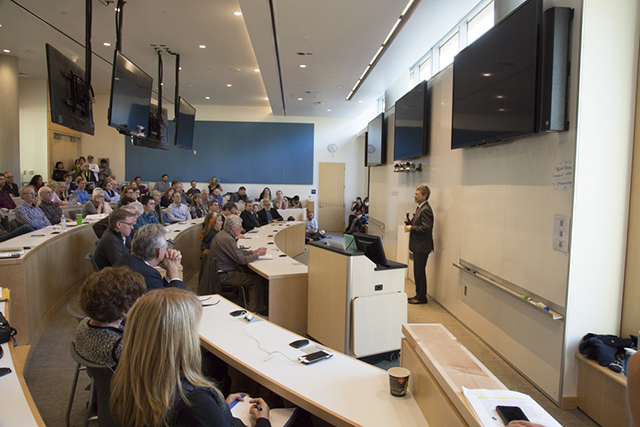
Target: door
[
  {"x": 65, "y": 150},
  {"x": 331, "y": 197}
]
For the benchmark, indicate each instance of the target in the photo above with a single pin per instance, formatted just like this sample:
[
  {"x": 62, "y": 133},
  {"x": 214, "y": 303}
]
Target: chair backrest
[
  {"x": 208, "y": 282},
  {"x": 74, "y": 313},
  {"x": 14, "y": 224},
  {"x": 89, "y": 256}
]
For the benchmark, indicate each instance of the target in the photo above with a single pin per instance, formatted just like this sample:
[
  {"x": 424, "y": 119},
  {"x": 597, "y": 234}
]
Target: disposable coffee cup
[
  {"x": 79, "y": 219},
  {"x": 398, "y": 381}
]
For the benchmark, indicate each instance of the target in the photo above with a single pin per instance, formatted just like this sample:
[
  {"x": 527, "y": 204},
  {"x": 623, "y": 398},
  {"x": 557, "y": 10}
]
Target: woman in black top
[{"x": 58, "y": 172}]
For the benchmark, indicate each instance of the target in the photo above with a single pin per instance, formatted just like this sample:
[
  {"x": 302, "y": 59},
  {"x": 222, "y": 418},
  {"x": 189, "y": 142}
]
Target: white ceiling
[{"x": 341, "y": 36}]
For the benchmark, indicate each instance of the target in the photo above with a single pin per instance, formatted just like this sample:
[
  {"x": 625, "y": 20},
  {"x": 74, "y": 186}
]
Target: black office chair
[
  {"x": 89, "y": 256},
  {"x": 79, "y": 367}
]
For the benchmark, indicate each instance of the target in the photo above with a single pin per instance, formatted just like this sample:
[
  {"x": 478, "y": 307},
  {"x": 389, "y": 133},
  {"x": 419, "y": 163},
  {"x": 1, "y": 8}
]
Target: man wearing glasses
[
  {"x": 28, "y": 213},
  {"x": 10, "y": 186},
  {"x": 111, "y": 246},
  {"x": 50, "y": 209}
]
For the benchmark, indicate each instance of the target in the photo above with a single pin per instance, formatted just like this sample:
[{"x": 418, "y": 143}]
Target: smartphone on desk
[
  {"x": 315, "y": 357},
  {"x": 511, "y": 413}
]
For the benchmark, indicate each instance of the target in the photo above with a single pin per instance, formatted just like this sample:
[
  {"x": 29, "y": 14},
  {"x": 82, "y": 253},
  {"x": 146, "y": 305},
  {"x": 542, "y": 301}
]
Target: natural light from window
[{"x": 480, "y": 24}]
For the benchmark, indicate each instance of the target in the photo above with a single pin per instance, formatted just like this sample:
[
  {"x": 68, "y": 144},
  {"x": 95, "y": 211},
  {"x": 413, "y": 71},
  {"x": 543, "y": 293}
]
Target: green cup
[{"x": 79, "y": 219}]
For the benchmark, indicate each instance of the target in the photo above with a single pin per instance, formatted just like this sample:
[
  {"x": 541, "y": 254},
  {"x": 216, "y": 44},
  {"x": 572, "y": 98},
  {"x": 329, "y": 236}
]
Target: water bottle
[{"x": 63, "y": 223}]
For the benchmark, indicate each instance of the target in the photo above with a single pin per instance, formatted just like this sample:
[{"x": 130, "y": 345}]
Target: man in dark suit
[
  {"x": 149, "y": 250},
  {"x": 267, "y": 214},
  {"x": 249, "y": 218},
  {"x": 112, "y": 243},
  {"x": 420, "y": 229}
]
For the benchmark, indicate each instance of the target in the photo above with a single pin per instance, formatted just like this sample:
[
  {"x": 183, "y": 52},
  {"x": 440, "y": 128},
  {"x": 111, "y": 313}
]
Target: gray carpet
[{"x": 50, "y": 371}]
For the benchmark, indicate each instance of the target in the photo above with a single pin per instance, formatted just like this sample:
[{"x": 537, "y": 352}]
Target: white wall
[{"x": 33, "y": 130}]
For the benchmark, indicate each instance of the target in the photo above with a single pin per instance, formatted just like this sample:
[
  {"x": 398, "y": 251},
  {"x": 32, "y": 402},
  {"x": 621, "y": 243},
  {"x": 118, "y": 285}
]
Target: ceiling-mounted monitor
[
  {"x": 185, "y": 124},
  {"x": 376, "y": 142},
  {"x": 130, "y": 102},
  {"x": 70, "y": 98},
  {"x": 496, "y": 81},
  {"x": 411, "y": 133},
  {"x": 157, "y": 134}
]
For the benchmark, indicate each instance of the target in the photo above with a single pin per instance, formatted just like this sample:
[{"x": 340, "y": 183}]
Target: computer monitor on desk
[{"x": 372, "y": 248}]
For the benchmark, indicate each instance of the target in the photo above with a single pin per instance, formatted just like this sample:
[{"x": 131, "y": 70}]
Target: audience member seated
[
  {"x": 93, "y": 167},
  {"x": 228, "y": 209},
  {"x": 163, "y": 184},
  {"x": 96, "y": 205},
  {"x": 60, "y": 192},
  {"x": 54, "y": 194},
  {"x": 280, "y": 202},
  {"x": 361, "y": 218},
  {"x": 215, "y": 196},
  {"x": 111, "y": 246},
  {"x": 168, "y": 388},
  {"x": 77, "y": 169},
  {"x": 210, "y": 228},
  {"x": 249, "y": 217},
  {"x": 149, "y": 250},
  {"x": 128, "y": 193},
  {"x": 294, "y": 203},
  {"x": 104, "y": 171},
  {"x": 27, "y": 212},
  {"x": 101, "y": 226},
  {"x": 69, "y": 185},
  {"x": 110, "y": 194},
  {"x": 106, "y": 297},
  {"x": 37, "y": 182},
  {"x": 184, "y": 199},
  {"x": 356, "y": 207},
  {"x": 197, "y": 208},
  {"x": 311, "y": 228},
  {"x": 165, "y": 200},
  {"x": 267, "y": 214},
  {"x": 157, "y": 196},
  {"x": 6, "y": 199},
  {"x": 9, "y": 186},
  {"x": 214, "y": 183},
  {"x": 266, "y": 194},
  {"x": 149, "y": 213},
  {"x": 5, "y": 234},
  {"x": 232, "y": 263},
  {"x": 48, "y": 206},
  {"x": 88, "y": 175},
  {"x": 239, "y": 196},
  {"x": 59, "y": 172},
  {"x": 193, "y": 190},
  {"x": 80, "y": 191},
  {"x": 177, "y": 212}
]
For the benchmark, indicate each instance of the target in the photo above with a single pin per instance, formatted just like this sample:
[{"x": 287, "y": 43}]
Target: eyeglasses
[{"x": 129, "y": 224}]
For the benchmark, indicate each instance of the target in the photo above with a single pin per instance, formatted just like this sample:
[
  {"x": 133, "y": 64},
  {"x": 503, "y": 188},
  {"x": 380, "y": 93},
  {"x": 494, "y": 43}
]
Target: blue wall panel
[{"x": 242, "y": 152}]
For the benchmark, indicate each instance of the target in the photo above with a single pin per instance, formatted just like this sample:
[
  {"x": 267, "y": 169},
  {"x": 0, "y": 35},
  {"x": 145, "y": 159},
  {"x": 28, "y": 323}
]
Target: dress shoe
[{"x": 417, "y": 300}]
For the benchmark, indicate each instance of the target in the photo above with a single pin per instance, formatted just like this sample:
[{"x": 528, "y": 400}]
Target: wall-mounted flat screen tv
[
  {"x": 496, "y": 81},
  {"x": 410, "y": 136},
  {"x": 70, "y": 98},
  {"x": 376, "y": 144},
  {"x": 130, "y": 97},
  {"x": 157, "y": 134},
  {"x": 185, "y": 125}
]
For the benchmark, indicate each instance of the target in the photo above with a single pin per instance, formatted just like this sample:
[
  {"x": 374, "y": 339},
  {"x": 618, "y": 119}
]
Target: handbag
[{"x": 6, "y": 331}]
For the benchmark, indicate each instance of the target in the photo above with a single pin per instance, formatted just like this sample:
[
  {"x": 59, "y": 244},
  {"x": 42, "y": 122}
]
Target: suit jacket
[
  {"x": 152, "y": 277},
  {"x": 228, "y": 255},
  {"x": 101, "y": 226},
  {"x": 262, "y": 215},
  {"x": 249, "y": 222},
  {"x": 110, "y": 249},
  {"x": 421, "y": 234}
]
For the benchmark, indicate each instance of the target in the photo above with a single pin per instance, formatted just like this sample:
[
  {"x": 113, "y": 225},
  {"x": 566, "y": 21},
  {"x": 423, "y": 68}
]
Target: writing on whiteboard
[{"x": 562, "y": 176}]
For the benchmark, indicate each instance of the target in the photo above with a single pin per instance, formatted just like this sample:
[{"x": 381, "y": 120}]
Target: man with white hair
[
  {"x": 27, "y": 212},
  {"x": 48, "y": 207},
  {"x": 149, "y": 250},
  {"x": 232, "y": 263}
]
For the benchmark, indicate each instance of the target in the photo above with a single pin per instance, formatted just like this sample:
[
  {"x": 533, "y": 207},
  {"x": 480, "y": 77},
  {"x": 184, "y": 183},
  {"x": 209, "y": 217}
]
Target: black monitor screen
[
  {"x": 410, "y": 137},
  {"x": 185, "y": 125},
  {"x": 70, "y": 97},
  {"x": 376, "y": 153},
  {"x": 130, "y": 97},
  {"x": 496, "y": 81},
  {"x": 157, "y": 135},
  {"x": 372, "y": 248}
]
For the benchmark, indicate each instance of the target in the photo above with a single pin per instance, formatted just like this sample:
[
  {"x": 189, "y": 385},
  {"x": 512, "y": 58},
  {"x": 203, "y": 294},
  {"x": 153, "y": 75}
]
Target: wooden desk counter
[
  {"x": 288, "y": 278},
  {"x": 341, "y": 390}
]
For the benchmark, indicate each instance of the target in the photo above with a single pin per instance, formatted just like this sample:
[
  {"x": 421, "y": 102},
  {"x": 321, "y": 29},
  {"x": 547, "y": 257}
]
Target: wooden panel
[
  {"x": 188, "y": 243},
  {"x": 432, "y": 400},
  {"x": 288, "y": 303},
  {"x": 331, "y": 197},
  {"x": 602, "y": 394},
  {"x": 290, "y": 240},
  {"x": 327, "y": 318}
]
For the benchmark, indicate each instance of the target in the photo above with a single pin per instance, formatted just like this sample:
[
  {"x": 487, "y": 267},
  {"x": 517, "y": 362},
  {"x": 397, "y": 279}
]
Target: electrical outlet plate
[{"x": 561, "y": 231}]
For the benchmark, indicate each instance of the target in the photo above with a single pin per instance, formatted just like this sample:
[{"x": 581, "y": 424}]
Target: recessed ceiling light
[
  {"x": 228, "y": 84},
  {"x": 179, "y": 68},
  {"x": 202, "y": 46},
  {"x": 266, "y": 99},
  {"x": 328, "y": 109},
  {"x": 360, "y": 100},
  {"x": 303, "y": 66},
  {"x": 237, "y": 13},
  {"x": 499, "y": 96},
  {"x": 299, "y": 99},
  {"x": 486, "y": 74},
  {"x": 6, "y": 51},
  {"x": 257, "y": 70},
  {"x": 106, "y": 44},
  {"x": 207, "y": 97}
]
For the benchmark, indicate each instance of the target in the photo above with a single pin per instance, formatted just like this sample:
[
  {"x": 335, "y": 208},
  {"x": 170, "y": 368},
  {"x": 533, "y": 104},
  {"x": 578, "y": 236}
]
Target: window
[
  {"x": 424, "y": 69},
  {"x": 480, "y": 23},
  {"x": 448, "y": 50}
]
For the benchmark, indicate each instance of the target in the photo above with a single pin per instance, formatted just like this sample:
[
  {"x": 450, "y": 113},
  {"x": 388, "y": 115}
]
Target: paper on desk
[
  {"x": 267, "y": 256},
  {"x": 484, "y": 404},
  {"x": 279, "y": 417}
]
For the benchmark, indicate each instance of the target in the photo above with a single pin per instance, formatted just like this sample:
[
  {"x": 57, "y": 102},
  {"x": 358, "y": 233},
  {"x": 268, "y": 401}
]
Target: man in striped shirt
[{"x": 28, "y": 213}]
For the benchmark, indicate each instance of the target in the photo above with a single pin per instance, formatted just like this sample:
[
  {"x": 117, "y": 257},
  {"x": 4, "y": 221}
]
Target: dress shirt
[
  {"x": 111, "y": 196},
  {"x": 84, "y": 196},
  {"x": 51, "y": 211},
  {"x": 12, "y": 189},
  {"x": 30, "y": 214},
  {"x": 161, "y": 186},
  {"x": 145, "y": 219},
  {"x": 235, "y": 197},
  {"x": 218, "y": 199},
  {"x": 6, "y": 201},
  {"x": 177, "y": 213}
]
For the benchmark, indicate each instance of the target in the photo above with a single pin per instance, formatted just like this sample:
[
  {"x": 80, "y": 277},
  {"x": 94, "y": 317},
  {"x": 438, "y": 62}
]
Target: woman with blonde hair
[
  {"x": 97, "y": 204},
  {"x": 153, "y": 387}
]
